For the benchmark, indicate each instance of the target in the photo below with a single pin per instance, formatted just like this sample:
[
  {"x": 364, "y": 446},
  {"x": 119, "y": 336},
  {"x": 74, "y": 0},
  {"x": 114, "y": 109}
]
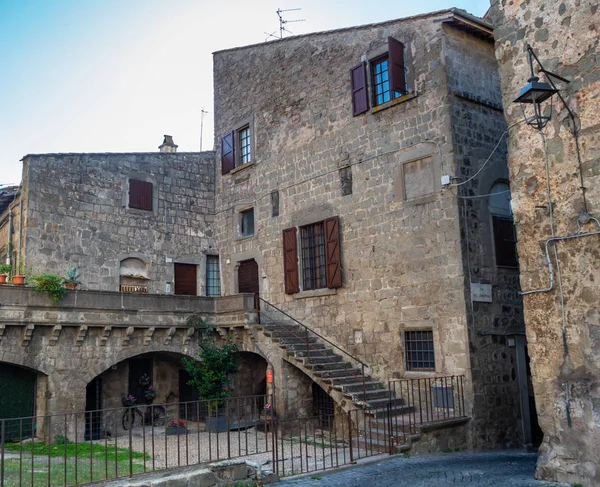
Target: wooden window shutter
[
  {"x": 290, "y": 261},
  {"x": 227, "y": 153},
  {"x": 333, "y": 262},
  {"x": 397, "y": 74},
  {"x": 140, "y": 195},
  {"x": 358, "y": 79}
]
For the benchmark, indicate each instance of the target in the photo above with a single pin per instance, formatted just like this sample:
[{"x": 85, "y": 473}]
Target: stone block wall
[
  {"x": 77, "y": 214},
  {"x": 563, "y": 324}
]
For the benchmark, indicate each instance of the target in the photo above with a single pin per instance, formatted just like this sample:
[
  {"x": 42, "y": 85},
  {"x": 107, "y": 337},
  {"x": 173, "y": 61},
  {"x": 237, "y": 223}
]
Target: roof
[
  {"x": 154, "y": 153},
  {"x": 7, "y": 195},
  {"x": 465, "y": 21},
  {"x": 454, "y": 15}
]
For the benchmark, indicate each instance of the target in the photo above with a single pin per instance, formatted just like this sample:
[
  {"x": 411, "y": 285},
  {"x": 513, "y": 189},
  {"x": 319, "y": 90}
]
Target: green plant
[
  {"x": 20, "y": 268},
  {"x": 577, "y": 485},
  {"x": 62, "y": 440},
  {"x": 5, "y": 268},
  {"x": 51, "y": 284},
  {"x": 210, "y": 371},
  {"x": 73, "y": 276},
  {"x": 316, "y": 477},
  {"x": 406, "y": 454}
]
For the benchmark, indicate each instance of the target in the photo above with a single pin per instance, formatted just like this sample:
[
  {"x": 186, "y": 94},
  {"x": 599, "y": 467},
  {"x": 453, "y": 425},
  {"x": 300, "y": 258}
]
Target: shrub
[{"x": 51, "y": 284}]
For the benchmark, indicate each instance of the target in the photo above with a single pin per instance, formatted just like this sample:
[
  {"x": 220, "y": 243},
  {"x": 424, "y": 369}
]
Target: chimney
[{"x": 168, "y": 145}]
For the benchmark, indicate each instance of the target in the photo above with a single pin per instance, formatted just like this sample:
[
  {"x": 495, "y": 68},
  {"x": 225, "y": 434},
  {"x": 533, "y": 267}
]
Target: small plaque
[{"x": 481, "y": 293}]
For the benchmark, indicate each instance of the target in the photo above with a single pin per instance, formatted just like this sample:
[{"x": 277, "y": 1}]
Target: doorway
[
  {"x": 186, "y": 279},
  {"x": 17, "y": 400},
  {"x": 93, "y": 415},
  {"x": 137, "y": 368},
  {"x": 248, "y": 277}
]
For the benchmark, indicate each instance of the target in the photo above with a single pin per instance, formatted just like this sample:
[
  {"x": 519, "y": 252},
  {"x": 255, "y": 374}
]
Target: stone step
[
  {"x": 331, "y": 371},
  {"x": 320, "y": 361},
  {"x": 350, "y": 379},
  {"x": 370, "y": 396},
  {"x": 315, "y": 348},
  {"x": 356, "y": 386},
  {"x": 290, "y": 339}
]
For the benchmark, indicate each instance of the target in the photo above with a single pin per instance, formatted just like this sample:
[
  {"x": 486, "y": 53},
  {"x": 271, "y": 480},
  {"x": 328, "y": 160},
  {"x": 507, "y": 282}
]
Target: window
[
  {"x": 213, "y": 276},
  {"x": 140, "y": 195},
  {"x": 388, "y": 78},
  {"x": 247, "y": 222},
  {"x": 236, "y": 148},
  {"x": 505, "y": 241},
  {"x": 320, "y": 260},
  {"x": 313, "y": 256},
  {"x": 418, "y": 348}
]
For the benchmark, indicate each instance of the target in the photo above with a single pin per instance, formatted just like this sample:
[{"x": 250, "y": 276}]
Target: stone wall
[
  {"x": 478, "y": 126},
  {"x": 77, "y": 214},
  {"x": 563, "y": 324}
]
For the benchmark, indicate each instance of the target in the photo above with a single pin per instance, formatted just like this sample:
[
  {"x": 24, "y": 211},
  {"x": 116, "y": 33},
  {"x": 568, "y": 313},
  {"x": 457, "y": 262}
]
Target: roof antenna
[{"x": 282, "y": 21}]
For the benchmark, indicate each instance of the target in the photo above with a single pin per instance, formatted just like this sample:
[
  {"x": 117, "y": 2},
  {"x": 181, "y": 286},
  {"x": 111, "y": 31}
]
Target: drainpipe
[
  {"x": 20, "y": 231},
  {"x": 10, "y": 238}
]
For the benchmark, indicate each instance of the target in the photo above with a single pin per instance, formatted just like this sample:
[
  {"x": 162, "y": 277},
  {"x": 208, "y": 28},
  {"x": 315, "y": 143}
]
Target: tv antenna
[
  {"x": 282, "y": 21},
  {"x": 202, "y": 113}
]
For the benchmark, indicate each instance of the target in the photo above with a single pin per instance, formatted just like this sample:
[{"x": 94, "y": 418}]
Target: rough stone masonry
[{"x": 563, "y": 325}]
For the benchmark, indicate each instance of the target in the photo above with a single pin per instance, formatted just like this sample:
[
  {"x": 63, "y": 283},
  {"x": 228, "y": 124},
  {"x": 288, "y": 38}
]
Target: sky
[{"x": 115, "y": 75}]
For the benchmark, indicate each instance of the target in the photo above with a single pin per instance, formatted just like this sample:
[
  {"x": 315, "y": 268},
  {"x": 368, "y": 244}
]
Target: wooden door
[
  {"x": 248, "y": 277},
  {"x": 186, "y": 279}
]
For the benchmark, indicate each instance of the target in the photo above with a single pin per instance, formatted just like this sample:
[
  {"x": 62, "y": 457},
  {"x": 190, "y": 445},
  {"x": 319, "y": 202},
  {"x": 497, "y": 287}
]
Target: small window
[
  {"x": 505, "y": 241},
  {"x": 313, "y": 256},
  {"x": 244, "y": 145},
  {"x": 236, "y": 148},
  {"x": 418, "y": 348},
  {"x": 247, "y": 222},
  {"x": 140, "y": 195},
  {"x": 213, "y": 277},
  {"x": 381, "y": 83}
]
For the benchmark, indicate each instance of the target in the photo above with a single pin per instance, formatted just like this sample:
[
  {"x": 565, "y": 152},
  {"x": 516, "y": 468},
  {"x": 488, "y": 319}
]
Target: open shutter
[
  {"x": 396, "y": 69},
  {"x": 333, "y": 262},
  {"x": 290, "y": 261},
  {"x": 227, "y": 153},
  {"x": 358, "y": 79}
]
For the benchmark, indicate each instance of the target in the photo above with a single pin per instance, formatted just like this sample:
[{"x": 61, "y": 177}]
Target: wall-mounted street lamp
[{"x": 536, "y": 92}]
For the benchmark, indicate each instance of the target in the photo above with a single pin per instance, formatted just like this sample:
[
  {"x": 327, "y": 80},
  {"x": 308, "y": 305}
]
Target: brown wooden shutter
[
  {"x": 227, "y": 153},
  {"x": 396, "y": 66},
  {"x": 248, "y": 277},
  {"x": 290, "y": 261},
  {"x": 186, "y": 279},
  {"x": 140, "y": 195},
  {"x": 333, "y": 262},
  {"x": 358, "y": 80}
]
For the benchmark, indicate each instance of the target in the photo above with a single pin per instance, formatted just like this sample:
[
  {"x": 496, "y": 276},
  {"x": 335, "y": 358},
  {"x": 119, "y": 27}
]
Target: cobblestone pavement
[{"x": 507, "y": 468}]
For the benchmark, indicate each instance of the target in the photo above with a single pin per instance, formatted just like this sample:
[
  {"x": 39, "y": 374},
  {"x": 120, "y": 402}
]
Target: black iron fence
[{"x": 93, "y": 446}]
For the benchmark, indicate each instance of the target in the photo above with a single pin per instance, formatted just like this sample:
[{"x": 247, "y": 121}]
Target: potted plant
[
  {"x": 128, "y": 401},
  {"x": 72, "y": 279},
  {"x": 150, "y": 394},
  {"x": 176, "y": 427},
  {"x": 210, "y": 376},
  {"x": 4, "y": 272},
  {"x": 51, "y": 284},
  {"x": 19, "y": 274}
]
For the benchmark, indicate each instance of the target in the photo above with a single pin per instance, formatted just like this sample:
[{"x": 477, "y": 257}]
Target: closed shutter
[
  {"x": 140, "y": 195},
  {"x": 290, "y": 261},
  {"x": 358, "y": 79},
  {"x": 248, "y": 277},
  {"x": 333, "y": 269},
  {"x": 186, "y": 279},
  {"x": 397, "y": 73},
  {"x": 227, "y": 153}
]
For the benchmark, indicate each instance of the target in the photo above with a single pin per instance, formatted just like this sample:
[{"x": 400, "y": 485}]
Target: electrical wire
[{"x": 482, "y": 195}]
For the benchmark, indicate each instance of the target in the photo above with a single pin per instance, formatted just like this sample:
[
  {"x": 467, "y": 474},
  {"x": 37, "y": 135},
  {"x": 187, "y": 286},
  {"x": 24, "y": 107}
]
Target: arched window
[
  {"x": 505, "y": 241},
  {"x": 133, "y": 274}
]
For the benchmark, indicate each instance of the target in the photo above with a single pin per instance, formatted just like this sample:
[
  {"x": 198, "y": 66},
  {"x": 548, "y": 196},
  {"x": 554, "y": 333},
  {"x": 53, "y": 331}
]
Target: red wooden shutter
[
  {"x": 290, "y": 261},
  {"x": 396, "y": 66},
  {"x": 358, "y": 80},
  {"x": 185, "y": 279},
  {"x": 140, "y": 195},
  {"x": 227, "y": 153},
  {"x": 333, "y": 262}
]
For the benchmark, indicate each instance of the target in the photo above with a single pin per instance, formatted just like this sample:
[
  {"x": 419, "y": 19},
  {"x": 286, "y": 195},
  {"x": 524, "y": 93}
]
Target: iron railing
[
  {"x": 271, "y": 314},
  {"x": 418, "y": 402}
]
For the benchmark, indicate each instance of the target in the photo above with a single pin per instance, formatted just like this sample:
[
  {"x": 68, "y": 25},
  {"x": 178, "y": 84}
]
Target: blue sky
[{"x": 115, "y": 75}]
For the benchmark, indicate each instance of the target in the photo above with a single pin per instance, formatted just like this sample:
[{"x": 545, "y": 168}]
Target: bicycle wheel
[
  {"x": 128, "y": 419},
  {"x": 158, "y": 415}
]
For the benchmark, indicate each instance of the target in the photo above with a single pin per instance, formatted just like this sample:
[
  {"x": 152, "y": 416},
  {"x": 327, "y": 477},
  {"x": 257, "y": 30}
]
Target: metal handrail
[{"x": 308, "y": 330}]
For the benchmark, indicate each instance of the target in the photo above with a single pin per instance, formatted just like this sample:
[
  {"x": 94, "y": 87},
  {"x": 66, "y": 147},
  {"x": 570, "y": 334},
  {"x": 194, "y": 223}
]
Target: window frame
[
  {"x": 213, "y": 275},
  {"x": 242, "y": 225},
  {"x": 142, "y": 184},
  {"x": 408, "y": 363},
  {"x": 243, "y": 142},
  {"x": 314, "y": 254},
  {"x": 496, "y": 216},
  {"x": 373, "y": 63}
]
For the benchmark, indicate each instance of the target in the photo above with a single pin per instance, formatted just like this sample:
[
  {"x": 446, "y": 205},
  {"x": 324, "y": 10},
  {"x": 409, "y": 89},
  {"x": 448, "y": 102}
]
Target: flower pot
[
  {"x": 18, "y": 280},
  {"x": 174, "y": 430},
  {"x": 3, "y": 278},
  {"x": 71, "y": 285}
]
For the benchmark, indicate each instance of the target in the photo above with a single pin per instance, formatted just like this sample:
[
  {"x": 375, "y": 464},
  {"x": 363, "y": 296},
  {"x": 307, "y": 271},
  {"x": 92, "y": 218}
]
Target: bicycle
[{"x": 154, "y": 415}]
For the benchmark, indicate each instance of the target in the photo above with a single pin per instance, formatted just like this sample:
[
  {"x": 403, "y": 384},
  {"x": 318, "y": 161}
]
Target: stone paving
[{"x": 507, "y": 468}]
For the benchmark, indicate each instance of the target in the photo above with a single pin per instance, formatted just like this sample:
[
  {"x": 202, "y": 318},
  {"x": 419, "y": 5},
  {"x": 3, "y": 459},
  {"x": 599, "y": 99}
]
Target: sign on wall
[{"x": 481, "y": 293}]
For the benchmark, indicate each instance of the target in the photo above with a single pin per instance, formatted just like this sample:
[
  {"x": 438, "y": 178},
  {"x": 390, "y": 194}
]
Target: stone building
[
  {"x": 554, "y": 175},
  {"x": 330, "y": 201},
  {"x": 361, "y": 187}
]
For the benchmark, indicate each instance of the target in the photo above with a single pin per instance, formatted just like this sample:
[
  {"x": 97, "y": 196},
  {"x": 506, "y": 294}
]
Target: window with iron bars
[
  {"x": 313, "y": 256},
  {"x": 418, "y": 349},
  {"x": 213, "y": 277}
]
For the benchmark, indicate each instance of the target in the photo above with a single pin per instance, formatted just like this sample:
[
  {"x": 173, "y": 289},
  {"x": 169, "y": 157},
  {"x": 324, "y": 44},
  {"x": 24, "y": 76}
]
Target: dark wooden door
[
  {"x": 248, "y": 277},
  {"x": 137, "y": 368},
  {"x": 17, "y": 400},
  {"x": 186, "y": 279}
]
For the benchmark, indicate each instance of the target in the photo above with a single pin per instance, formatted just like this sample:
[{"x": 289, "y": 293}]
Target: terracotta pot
[
  {"x": 2, "y": 278},
  {"x": 71, "y": 285},
  {"x": 18, "y": 280}
]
